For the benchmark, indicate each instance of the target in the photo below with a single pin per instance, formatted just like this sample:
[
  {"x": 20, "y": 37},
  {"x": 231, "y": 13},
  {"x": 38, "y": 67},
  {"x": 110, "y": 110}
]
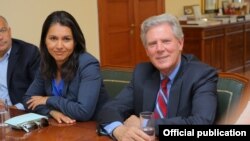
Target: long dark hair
[{"x": 48, "y": 63}]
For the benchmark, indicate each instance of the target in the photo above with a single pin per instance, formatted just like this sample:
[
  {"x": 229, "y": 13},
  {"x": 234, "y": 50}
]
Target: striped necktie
[{"x": 161, "y": 109}]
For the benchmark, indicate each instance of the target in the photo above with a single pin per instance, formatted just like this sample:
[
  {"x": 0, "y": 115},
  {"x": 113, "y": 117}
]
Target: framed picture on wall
[
  {"x": 188, "y": 10},
  {"x": 210, "y": 6}
]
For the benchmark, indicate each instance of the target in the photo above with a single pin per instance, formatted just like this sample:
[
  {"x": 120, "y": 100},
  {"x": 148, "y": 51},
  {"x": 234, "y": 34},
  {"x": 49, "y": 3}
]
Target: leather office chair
[
  {"x": 233, "y": 95},
  {"x": 115, "y": 80}
]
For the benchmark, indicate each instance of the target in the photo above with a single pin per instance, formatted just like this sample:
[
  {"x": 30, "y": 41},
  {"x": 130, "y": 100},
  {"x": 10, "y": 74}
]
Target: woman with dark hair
[{"x": 68, "y": 86}]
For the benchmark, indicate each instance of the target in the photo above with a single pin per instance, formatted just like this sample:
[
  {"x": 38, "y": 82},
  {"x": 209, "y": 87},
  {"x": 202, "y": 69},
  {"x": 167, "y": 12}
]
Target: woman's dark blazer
[{"x": 81, "y": 98}]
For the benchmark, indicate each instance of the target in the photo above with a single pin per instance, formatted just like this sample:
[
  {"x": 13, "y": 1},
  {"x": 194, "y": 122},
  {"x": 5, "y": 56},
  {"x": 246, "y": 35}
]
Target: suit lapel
[
  {"x": 174, "y": 97},
  {"x": 12, "y": 62},
  {"x": 151, "y": 89},
  {"x": 66, "y": 86},
  {"x": 48, "y": 87},
  {"x": 175, "y": 92}
]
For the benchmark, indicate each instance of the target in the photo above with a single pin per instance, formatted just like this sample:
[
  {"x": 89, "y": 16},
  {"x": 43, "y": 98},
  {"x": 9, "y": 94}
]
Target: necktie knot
[{"x": 164, "y": 83}]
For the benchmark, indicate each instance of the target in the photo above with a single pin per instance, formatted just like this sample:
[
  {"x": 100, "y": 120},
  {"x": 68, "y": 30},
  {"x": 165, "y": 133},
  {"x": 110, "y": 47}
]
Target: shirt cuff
[
  {"x": 110, "y": 127},
  {"x": 19, "y": 106}
]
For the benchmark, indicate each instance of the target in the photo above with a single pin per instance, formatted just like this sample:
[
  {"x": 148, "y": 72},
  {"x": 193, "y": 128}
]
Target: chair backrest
[
  {"x": 115, "y": 80},
  {"x": 232, "y": 90}
]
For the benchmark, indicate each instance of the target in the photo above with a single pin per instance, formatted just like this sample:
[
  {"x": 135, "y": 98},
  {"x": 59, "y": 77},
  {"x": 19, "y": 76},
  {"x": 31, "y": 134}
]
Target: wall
[
  {"x": 26, "y": 17},
  {"x": 176, "y": 6}
]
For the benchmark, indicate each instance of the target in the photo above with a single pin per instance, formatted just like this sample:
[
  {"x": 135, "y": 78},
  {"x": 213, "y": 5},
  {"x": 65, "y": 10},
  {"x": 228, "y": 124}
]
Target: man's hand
[
  {"x": 132, "y": 121},
  {"x": 125, "y": 133},
  {"x": 36, "y": 101},
  {"x": 61, "y": 118}
]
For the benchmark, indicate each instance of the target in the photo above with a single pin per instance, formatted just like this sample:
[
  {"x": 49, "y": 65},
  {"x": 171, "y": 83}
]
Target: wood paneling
[
  {"x": 225, "y": 47},
  {"x": 247, "y": 41}
]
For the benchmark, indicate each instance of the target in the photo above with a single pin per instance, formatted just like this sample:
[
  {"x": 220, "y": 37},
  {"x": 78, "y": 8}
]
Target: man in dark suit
[
  {"x": 19, "y": 62},
  {"x": 191, "y": 87}
]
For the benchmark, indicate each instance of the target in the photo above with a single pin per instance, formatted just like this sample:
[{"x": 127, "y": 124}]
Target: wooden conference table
[{"x": 80, "y": 131}]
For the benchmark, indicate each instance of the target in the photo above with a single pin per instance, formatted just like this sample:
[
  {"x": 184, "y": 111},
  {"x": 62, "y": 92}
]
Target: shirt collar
[
  {"x": 8, "y": 52},
  {"x": 173, "y": 73},
  {"x": 6, "y": 55}
]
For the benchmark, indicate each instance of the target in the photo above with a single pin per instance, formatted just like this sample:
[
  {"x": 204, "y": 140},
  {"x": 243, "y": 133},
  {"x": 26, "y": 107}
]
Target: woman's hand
[
  {"x": 36, "y": 101},
  {"x": 61, "y": 118}
]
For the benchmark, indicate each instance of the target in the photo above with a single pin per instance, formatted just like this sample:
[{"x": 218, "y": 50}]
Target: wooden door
[{"x": 119, "y": 26}]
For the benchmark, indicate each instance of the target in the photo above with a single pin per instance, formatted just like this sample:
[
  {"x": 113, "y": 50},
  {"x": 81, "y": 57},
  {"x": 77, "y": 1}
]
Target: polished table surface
[{"x": 80, "y": 131}]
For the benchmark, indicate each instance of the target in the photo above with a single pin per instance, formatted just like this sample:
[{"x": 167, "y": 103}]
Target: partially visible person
[
  {"x": 19, "y": 61},
  {"x": 187, "y": 96},
  {"x": 68, "y": 86}
]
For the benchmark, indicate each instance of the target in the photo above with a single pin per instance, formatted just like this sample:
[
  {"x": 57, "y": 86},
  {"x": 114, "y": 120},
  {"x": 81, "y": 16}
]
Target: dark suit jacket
[
  {"x": 23, "y": 64},
  {"x": 81, "y": 98},
  {"x": 192, "y": 98}
]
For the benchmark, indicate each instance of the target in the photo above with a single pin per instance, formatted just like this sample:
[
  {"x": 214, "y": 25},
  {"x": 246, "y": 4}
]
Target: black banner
[{"x": 202, "y": 132}]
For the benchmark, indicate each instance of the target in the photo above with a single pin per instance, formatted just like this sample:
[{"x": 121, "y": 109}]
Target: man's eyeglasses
[
  {"x": 32, "y": 125},
  {"x": 3, "y": 30}
]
